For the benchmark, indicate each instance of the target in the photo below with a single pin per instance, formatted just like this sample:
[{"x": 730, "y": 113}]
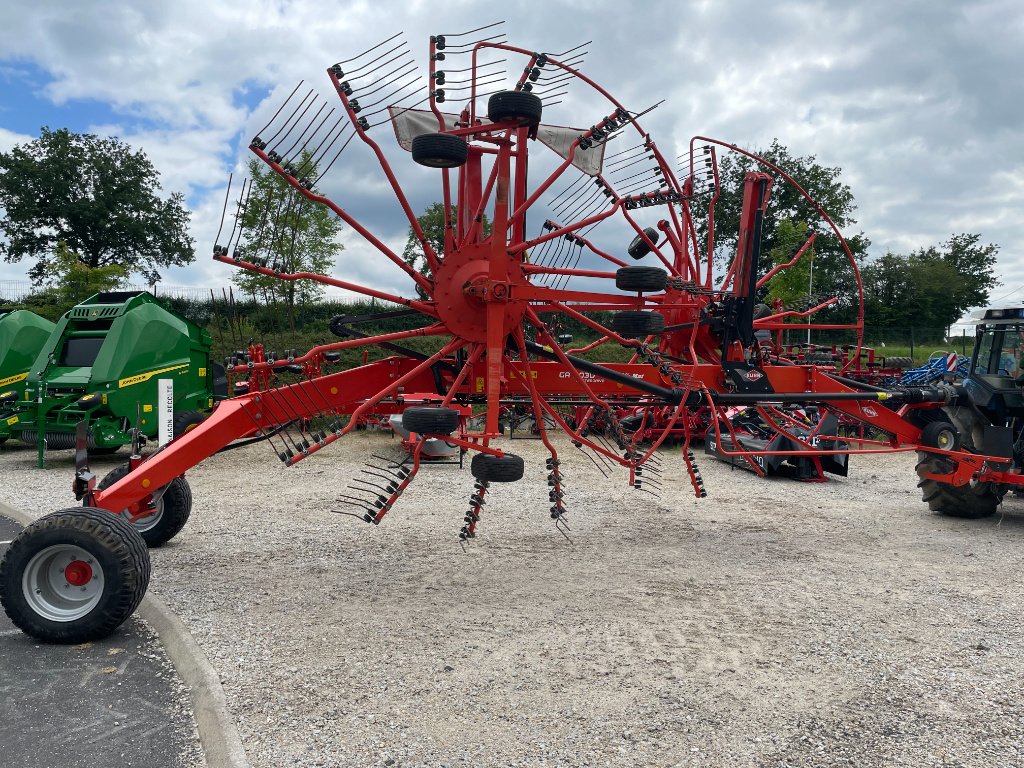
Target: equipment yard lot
[{"x": 774, "y": 623}]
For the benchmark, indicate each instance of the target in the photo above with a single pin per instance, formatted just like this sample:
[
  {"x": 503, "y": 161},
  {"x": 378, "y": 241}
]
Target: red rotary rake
[{"x": 494, "y": 302}]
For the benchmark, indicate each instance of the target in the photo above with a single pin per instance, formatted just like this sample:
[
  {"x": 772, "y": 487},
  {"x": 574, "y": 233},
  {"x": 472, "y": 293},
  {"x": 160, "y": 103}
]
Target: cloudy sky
[{"x": 920, "y": 103}]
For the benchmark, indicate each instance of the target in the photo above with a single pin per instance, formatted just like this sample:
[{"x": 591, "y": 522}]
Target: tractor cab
[{"x": 996, "y": 380}]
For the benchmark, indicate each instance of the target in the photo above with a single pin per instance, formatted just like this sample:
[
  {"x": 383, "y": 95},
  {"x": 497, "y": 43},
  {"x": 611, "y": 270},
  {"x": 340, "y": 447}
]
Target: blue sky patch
[{"x": 25, "y": 107}]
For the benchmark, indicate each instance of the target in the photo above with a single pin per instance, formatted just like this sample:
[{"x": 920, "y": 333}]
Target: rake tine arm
[
  {"x": 432, "y": 257},
  {"x": 363, "y": 231},
  {"x": 235, "y": 418}
]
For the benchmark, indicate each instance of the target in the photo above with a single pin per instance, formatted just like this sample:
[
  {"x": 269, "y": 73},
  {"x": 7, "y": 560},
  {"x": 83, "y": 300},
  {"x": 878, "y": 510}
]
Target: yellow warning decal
[
  {"x": 147, "y": 408},
  {"x": 138, "y": 379},
  {"x": 11, "y": 421},
  {"x": 13, "y": 379},
  {"x": 202, "y": 373},
  {"x": 514, "y": 374},
  {"x": 479, "y": 383}
]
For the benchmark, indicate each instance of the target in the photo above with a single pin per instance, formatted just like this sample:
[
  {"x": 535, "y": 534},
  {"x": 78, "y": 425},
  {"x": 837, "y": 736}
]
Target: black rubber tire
[
  {"x": 172, "y": 513},
  {"x": 440, "y": 150},
  {"x": 899, "y": 362},
  {"x": 116, "y": 547},
  {"x": 940, "y": 434},
  {"x": 522, "y": 107},
  {"x": 183, "y": 421},
  {"x": 497, "y": 469},
  {"x": 631, "y": 423},
  {"x": 641, "y": 279},
  {"x": 637, "y": 324},
  {"x": 430, "y": 420},
  {"x": 968, "y": 501},
  {"x": 639, "y": 248}
]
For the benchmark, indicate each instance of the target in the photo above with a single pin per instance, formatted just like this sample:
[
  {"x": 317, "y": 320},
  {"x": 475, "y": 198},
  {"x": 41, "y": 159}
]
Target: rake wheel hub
[{"x": 463, "y": 288}]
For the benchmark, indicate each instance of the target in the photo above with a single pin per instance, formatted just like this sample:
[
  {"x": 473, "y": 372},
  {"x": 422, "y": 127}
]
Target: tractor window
[
  {"x": 80, "y": 352},
  {"x": 1001, "y": 351},
  {"x": 1011, "y": 360},
  {"x": 984, "y": 362}
]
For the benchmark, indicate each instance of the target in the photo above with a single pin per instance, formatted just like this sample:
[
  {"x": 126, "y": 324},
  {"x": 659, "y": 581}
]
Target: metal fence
[
  {"x": 14, "y": 291},
  {"x": 918, "y": 339}
]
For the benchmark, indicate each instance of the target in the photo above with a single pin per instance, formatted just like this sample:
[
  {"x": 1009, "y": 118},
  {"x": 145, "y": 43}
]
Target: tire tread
[
  {"x": 956, "y": 501},
  {"x": 177, "y": 501},
  {"x": 131, "y": 573}
]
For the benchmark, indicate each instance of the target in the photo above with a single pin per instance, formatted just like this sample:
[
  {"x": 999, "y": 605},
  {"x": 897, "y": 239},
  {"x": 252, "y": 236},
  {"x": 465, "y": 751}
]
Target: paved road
[{"x": 113, "y": 703}]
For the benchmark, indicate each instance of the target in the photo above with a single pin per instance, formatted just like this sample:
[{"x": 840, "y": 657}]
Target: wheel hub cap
[
  {"x": 63, "y": 582},
  {"x": 78, "y": 573}
]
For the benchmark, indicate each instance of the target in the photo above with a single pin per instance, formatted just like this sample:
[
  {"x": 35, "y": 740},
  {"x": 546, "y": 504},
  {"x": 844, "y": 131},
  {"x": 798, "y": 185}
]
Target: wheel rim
[
  {"x": 63, "y": 583},
  {"x": 150, "y": 521}
]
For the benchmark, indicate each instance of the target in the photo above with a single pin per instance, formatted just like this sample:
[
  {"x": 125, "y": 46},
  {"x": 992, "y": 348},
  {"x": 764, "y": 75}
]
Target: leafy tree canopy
[
  {"x": 433, "y": 224},
  {"x": 931, "y": 287},
  {"x": 792, "y": 284},
  {"x": 69, "y": 281},
  {"x": 98, "y": 197},
  {"x": 821, "y": 182},
  {"x": 293, "y": 233}
]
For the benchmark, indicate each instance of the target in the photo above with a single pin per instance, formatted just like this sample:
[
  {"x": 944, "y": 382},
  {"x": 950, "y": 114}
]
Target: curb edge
[{"x": 221, "y": 743}]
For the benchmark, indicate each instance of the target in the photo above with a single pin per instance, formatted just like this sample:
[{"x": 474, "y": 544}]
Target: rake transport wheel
[
  {"x": 639, "y": 248},
  {"x": 940, "y": 434},
  {"x": 427, "y": 420},
  {"x": 646, "y": 279},
  {"x": 523, "y": 107},
  {"x": 439, "y": 150},
  {"x": 636, "y": 324},
  {"x": 631, "y": 423},
  {"x": 171, "y": 508},
  {"x": 497, "y": 469},
  {"x": 74, "y": 576}
]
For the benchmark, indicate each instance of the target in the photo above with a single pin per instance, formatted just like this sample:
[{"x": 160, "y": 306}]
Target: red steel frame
[{"x": 480, "y": 296}]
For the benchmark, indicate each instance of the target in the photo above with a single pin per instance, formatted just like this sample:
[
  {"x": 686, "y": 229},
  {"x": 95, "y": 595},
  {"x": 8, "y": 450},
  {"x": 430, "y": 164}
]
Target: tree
[
  {"x": 98, "y": 197},
  {"x": 931, "y": 287},
  {"x": 69, "y": 281},
  {"x": 787, "y": 221},
  {"x": 432, "y": 222},
  {"x": 887, "y": 291},
  {"x": 791, "y": 285},
  {"x": 820, "y": 182},
  {"x": 291, "y": 232},
  {"x": 973, "y": 264}
]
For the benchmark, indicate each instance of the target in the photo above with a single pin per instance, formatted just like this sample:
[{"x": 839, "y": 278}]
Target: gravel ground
[{"x": 774, "y": 623}]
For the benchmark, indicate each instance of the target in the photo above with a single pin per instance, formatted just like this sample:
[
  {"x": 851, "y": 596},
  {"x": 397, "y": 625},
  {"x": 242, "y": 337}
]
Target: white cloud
[
  {"x": 10, "y": 139},
  {"x": 918, "y": 102}
]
